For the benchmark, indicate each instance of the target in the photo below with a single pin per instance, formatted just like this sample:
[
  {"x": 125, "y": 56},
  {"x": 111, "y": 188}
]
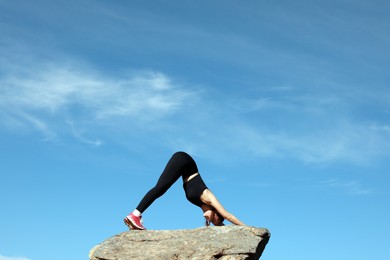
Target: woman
[{"x": 181, "y": 164}]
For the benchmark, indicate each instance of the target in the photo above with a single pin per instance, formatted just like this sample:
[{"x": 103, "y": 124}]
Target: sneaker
[{"x": 134, "y": 222}]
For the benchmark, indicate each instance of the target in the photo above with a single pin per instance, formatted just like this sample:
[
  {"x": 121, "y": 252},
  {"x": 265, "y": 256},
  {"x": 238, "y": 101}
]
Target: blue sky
[{"x": 285, "y": 106}]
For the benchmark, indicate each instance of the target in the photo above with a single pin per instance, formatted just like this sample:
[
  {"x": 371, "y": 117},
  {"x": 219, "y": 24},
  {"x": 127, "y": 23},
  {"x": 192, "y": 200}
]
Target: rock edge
[{"x": 227, "y": 242}]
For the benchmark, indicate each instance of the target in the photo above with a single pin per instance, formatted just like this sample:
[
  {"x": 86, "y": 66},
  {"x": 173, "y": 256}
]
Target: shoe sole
[{"x": 131, "y": 224}]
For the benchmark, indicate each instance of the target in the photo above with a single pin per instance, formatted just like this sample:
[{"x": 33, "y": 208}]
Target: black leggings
[{"x": 181, "y": 164}]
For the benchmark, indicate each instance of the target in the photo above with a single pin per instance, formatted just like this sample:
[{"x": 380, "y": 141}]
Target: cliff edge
[{"x": 227, "y": 242}]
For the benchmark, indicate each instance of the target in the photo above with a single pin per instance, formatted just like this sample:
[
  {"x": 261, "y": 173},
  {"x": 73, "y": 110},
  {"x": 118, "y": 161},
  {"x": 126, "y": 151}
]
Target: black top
[{"x": 194, "y": 189}]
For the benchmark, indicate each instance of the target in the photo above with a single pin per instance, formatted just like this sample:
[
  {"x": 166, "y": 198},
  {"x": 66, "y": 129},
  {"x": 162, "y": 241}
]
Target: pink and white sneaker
[{"x": 134, "y": 222}]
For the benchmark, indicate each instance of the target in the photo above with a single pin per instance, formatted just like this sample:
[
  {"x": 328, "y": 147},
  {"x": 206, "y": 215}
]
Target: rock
[{"x": 226, "y": 242}]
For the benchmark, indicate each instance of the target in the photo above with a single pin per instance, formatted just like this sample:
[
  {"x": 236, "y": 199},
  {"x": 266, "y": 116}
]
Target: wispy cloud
[
  {"x": 381, "y": 128},
  {"x": 309, "y": 127},
  {"x": 312, "y": 125},
  {"x": 13, "y": 258},
  {"x": 54, "y": 88},
  {"x": 351, "y": 187},
  {"x": 312, "y": 116},
  {"x": 79, "y": 135},
  {"x": 64, "y": 91}
]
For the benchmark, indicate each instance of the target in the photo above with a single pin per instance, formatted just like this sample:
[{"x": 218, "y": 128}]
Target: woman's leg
[{"x": 180, "y": 164}]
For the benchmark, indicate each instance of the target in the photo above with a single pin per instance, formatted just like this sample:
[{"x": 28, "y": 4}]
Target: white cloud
[
  {"x": 309, "y": 128},
  {"x": 63, "y": 91},
  {"x": 342, "y": 141},
  {"x": 282, "y": 122},
  {"x": 351, "y": 187},
  {"x": 12, "y": 258},
  {"x": 52, "y": 89},
  {"x": 381, "y": 128},
  {"x": 79, "y": 135}
]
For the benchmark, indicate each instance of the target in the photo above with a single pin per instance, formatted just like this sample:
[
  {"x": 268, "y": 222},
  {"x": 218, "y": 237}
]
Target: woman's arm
[{"x": 210, "y": 199}]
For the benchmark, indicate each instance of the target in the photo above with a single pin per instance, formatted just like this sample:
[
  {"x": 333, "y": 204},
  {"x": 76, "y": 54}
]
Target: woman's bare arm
[{"x": 210, "y": 199}]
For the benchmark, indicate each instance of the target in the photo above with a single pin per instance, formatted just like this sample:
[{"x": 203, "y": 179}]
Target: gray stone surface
[{"x": 227, "y": 242}]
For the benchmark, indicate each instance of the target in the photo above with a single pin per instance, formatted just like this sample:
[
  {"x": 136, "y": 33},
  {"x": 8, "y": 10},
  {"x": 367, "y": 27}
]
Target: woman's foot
[{"x": 134, "y": 222}]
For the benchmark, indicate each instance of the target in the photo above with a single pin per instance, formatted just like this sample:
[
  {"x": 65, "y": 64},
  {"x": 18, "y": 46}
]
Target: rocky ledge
[{"x": 227, "y": 242}]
